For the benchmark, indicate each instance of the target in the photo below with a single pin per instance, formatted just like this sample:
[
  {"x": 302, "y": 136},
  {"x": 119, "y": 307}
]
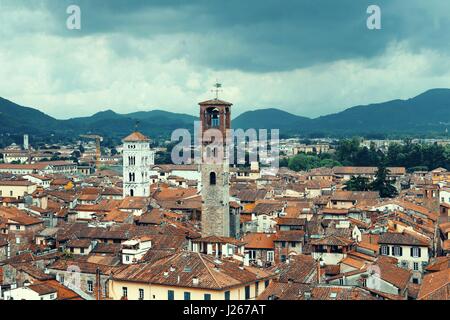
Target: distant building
[{"x": 137, "y": 159}]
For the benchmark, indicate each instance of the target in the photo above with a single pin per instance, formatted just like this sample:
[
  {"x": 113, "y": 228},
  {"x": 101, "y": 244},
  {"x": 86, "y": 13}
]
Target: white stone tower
[
  {"x": 26, "y": 145},
  {"x": 137, "y": 160},
  {"x": 215, "y": 119}
]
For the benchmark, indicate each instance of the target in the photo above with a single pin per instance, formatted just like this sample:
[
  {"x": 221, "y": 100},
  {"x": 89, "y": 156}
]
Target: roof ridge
[{"x": 207, "y": 268}]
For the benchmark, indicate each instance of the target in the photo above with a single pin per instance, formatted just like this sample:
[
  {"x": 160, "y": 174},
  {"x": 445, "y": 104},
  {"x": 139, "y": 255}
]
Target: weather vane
[{"x": 216, "y": 89}]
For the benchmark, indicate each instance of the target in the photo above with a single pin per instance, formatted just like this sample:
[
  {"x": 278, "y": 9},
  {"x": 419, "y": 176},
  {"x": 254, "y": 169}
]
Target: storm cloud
[{"x": 309, "y": 57}]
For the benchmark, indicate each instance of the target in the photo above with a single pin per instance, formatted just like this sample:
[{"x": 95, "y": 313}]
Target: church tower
[
  {"x": 137, "y": 159},
  {"x": 215, "y": 118}
]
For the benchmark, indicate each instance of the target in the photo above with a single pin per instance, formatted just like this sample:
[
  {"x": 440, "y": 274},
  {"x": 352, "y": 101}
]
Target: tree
[
  {"x": 357, "y": 184},
  {"x": 382, "y": 183},
  {"x": 302, "y": 161}
]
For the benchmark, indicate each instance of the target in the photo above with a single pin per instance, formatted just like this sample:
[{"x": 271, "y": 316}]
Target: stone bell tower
[{"x": 215, "y": 118}]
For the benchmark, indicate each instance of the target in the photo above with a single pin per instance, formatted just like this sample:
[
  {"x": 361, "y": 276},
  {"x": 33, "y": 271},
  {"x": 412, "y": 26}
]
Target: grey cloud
[{"x": 264, "y": 36}]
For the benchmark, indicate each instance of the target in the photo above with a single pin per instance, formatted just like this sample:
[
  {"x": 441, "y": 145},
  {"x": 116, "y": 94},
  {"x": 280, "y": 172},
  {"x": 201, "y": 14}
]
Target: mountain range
[{"x": 427, "y": 113}]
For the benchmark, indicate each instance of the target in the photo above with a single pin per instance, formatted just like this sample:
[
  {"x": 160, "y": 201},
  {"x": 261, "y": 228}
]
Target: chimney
[
  {"x": 98, "y": 285},
  {"x": 318, "y": 272}
]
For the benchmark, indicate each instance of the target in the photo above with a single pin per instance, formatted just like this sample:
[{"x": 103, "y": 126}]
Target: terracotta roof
[
  {"x": 215, "y": 102},
  {"x": 79, "y": 243},
  {"x": 367, "y": 170},
  {"x": 291, "y": 221},
  {"x": 332, "y": 240},
  {"x": 439, "y": 264},
  {"x": 301, "y": 268},
  {"x": 64, "y": 293},
  {"x": 291, "y": 235},
  {"x": 354, "y": 195},
  {"x": 435, "y": 286},
  {"x": 42, "y": 289},
  {"x": 16, "y": 216},
  {"x": 401, "y": 238},
  {"x": 397, "y": 276},
  {"x": 183, "y": 268},
  {"x": 259, "y": 240},
  {"x": 21, "y": 183},
  {"x": 136, "y": 137}
]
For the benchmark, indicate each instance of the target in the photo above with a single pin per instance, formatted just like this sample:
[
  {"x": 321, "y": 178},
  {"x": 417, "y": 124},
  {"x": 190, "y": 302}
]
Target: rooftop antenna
[{"x": 216, "y": 89}]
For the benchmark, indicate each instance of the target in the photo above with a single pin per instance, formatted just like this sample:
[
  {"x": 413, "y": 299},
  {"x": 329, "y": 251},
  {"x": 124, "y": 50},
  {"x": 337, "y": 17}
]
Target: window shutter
[
  {"x": 401, "y": 251},
  {"x": 412, "y": 251},
  {"x": 419, "y": 250}
]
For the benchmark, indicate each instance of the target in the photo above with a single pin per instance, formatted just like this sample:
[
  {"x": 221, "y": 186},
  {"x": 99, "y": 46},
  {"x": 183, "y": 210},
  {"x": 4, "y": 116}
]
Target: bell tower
[
  {"x": 137, "y": 159},
  {"x": 215, "y": 118}
]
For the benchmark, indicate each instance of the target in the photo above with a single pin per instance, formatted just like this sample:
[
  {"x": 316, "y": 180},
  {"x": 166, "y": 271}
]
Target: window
[
  {"x": 385, "y": 250},
  {"x": 227, "y": 295},
  {"x": 283, "y": 258},
  {"x": 170, "y": 295},
  {"x": 212, "y": 178},
  {"x": 256, "y": 289},
  {"x": 252, "y": 254},
  {"x": 61, "y": 278},
  {"x": 415, "y": 280},
  {"x": 127, "y": 258},
  {"x": 416, "y": 266},
  {"x": 415, "y": 252},
  {"x": 141, "y": 294},
  {"x": 10, "y": 193},
  {"x": 52, "y": 296},
  {"x": 124, "y": 292},
  {"x": 266, "y": 283},
  {"x": 207, "y": 296},
  {"x": 187, "y": 295},
  {"x": 215, "y": 118},
  {"x": 247, "y": 292},
  {"x": 17, "y": 227},
  {"x": 270, "y": 256},
  {"x": 90, "y": 286},
  {"x": 82, "y": 250},
  {"x": 397, "y": 251}
]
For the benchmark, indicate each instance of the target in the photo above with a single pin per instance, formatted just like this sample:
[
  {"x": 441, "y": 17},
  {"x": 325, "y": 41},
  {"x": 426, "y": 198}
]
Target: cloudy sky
[{"x": 308, "y": 57}]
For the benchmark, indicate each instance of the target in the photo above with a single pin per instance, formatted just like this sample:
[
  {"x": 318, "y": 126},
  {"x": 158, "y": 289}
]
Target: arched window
[
  {"x": 215, "y": 118},
  {"x": 212, "y": 178}
]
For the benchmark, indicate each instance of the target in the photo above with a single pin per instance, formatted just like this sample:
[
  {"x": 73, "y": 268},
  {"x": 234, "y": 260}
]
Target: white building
[
  {"x": 32, "y": 292},
  {"x": 412, "y": 253},
  {"x": 133, "y": 250},
  {"x": 137, "y": 159}
]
